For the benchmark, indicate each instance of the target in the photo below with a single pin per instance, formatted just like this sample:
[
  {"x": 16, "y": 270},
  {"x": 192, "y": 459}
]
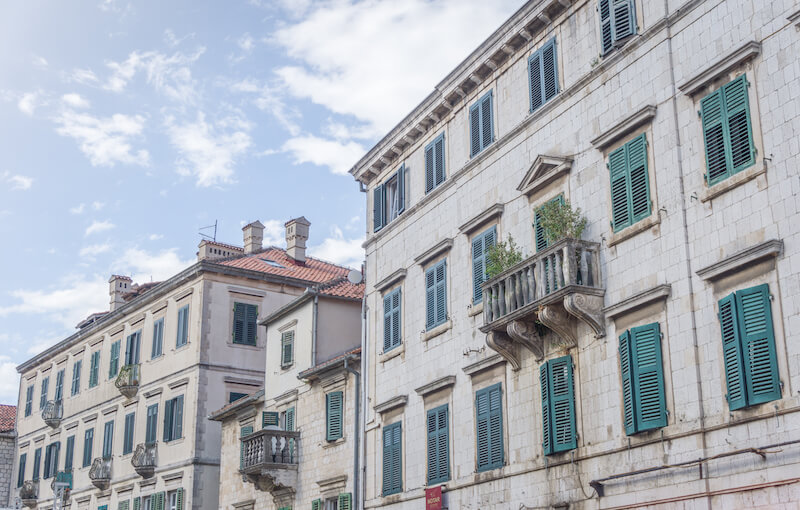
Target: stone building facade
[
  {"x": 118, "y": 410},
  {"x": 8, "y": 442},
  {"x": 653, "y": 362},
  {"x": 293, "y": 444}
]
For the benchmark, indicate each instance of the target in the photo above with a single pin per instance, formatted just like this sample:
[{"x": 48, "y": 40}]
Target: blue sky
[{"x": 127, "y": 126}]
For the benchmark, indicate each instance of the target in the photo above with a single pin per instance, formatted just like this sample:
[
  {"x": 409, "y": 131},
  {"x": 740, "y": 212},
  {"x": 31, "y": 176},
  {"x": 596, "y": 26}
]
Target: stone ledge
[
  {"x": 436, "y": 385},
  {"x": 494, "y": 211},
  {"x": 735, "y": 58},
  {"x": 637, "y": 228},
  {"x": 392, "y": 403},
  {"x": 660, "y": 292},
  {"x": 178, "y": 383},
  {"x": 733, "y": 181},
  {"x": 475, "y": 310},
  {"x": 623, "y": 127},
  {"x": 795, "y": 20},
  {"x": 439, "y": 248},
  {"x": 738, "y": 261},
  {"x": 390, "y": 280},
  {"x": 438, "y": 330},
  {"x": 481, "y": 365},
  {"x": 184, "y": 294},
  {"x": 392, "y": 353}
]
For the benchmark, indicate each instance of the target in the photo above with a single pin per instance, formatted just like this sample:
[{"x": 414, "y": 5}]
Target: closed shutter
[
  {"x": 245, "y": 431},
  {"x": 334, "y": 402},
  {"x": 269, "y": 419},
  {"x": 624, "y": 19},
  {"x": 438, "y": 147},
  {"x": 113, "y": 366},
  {"x": 391, "y": 320},
  {"x": 535, "y": 80},
  {"x": 648, "y": 371},
  {"x": 158, "y": 337},
  {"x": 127, "y": 445},
  {"x": 183, "y": 326},
  {"x": 740, "y": 131},
  {"x": 169, "y": 414},
  {"x": 152, "y": 424},
  {"x": 238, "y": 323},
  {"x": 123, "y": 505},
  {"x": 487, "y": 122},
  {"x": 76, "y": 377},
  {"x": 758, "y": 345},
  {"x": 29, "y": 401},
  {"x": 401, "y": 189},
  {"x": 430, "y": 172},
  {"x": 474, "y": 129},
  {"x": 392, "y": 459},
  {"x": 37, "y": 463},
  {"x": 88, "y": 440},
  {"x": 21, "y": 472},
  {"x": 108, "y": 439},
  {"x": 441, "y": 292},
  {"x": 345, "y": 501},
  {"x": 251, "y": 319},
  {"x": 539, "y": 233},
  {"x": 627, "y": 384},
  {"x": 179, "y": 499},
  {"x": 59, "y": 386},
  {"x": 438, "y": 445},
  {"x": 559, "y": 399},
  {"x": 430, "y": 298},
  {"x": 732, "y": 353},
  {"x": 48, "y": 452},
  {"x": 316, "y": 504},
  {"x": 712, "y": 112},
  {"x": 639, "y": 182},
  {"x": 56, "y": 452},
  {"x": 489, "y": 433},
  {"x": 543, "y": 75},
  {"x": 94, "y": 369},
  {"x": 606, "y": 37},
  {"x": 378, "y": 206},
  {"x": 178, "y": 411},
  {"x": 70, "y": 453},
  {"x": 620, "y": 207},
  {"x": 480, "y": 249},
  {"x": 43, "y": 396},
  {"x": 287, "y": 348}
]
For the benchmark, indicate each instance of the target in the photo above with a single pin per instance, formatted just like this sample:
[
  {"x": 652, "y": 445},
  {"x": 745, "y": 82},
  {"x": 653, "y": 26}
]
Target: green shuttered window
[
  {"x": 37, "y": 463},
  {"x": 334, "y": 407},
  {"x": 316, "y": 504},
  {"x": 21, "y": 472},
  {"x": 76, "y": 377},
  {"x": 392, "y": 459},
  {"x": 59, "y": 395},
  {"x": 727, "y": 131},
  {"x": 88, "y": 442},
  {"x": 543, "y": 75},
  {"x": 94, "y": 369},
  {"x": 245, "y": 431},
  {"x": 270, "y": 419},
  {"x": 641, "y": 365},
  {"x": 108, "y": 440},
  {"x": 113, "y": 363},
  {"x": 438, "y": 445},
  {"x": 158, "y": 338},
  {"x": 434, "y": 163},
  {"x": 29, "y": 400},
  {"x": 151, "y": 426},
  {"x": 288, "y": 417},
  {"x": 345, "y": 501},
  {"x": 748, "y": 342},
  {"x": 538, "y": 228},
  {"x": 127, "y": 442},
  {"x": 481, "y": 124},
  {"x": 287, "y": 348},
  {"x": 173, "y": 418},
  {"x": 489, "y": 427},
  {"x": 630, "y": 185},
  {"x": 436, "y": 294},
  {"x": 183, "y": 326},
  {"x": 43, "y": 395},
  {"x": 389, "y": 199},
  {"x": 617, "y": 22},
  {"x": 480, "y": 246},
  {"x": 68, "y": 457},
  {"x": 245, "y": 317},
  {"x": 133, "y": 345},
  {"x": 558, "y": 406},
  {"x": 391, "y": 320}
]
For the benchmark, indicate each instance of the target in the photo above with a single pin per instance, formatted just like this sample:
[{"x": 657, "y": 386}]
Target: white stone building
[
  {"x": 293, "y": 444},
  {"x": 653, "y": 362},
  {"x": 118, "y": 410}
]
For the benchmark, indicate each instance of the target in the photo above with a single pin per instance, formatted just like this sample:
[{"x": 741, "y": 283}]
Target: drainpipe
[
  {"x": 356, "y": 432},
  {"x": 314, "y": 330}
]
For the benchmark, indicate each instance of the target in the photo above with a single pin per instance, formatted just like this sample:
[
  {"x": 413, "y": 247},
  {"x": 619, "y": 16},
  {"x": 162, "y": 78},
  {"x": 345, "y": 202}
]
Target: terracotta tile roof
[
  {"x": 8, "y": 417},
  {"x": 138, "y": 289},
  {"x": 341, "y": 287},
  {"x": 275, "y": 261}
]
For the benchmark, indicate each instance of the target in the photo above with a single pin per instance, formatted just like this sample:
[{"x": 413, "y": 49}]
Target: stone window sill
[
  {"x": 475, "y": 310},
  {"x": 438, "y": 330},
  {"x": 733, "y": 181},
  {"x": 397, "y": 351},
  {"x": 331, "y": 444},
  {"x": 638, "y": 227},
  {"x": 255, "y": 347}
]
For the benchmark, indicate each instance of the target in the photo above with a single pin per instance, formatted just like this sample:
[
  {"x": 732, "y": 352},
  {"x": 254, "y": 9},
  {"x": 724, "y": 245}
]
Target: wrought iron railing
[
  {"x": 127, "y": 381},
  {"x": 145, "y": 459},
  {"x": 274, "y": 447},
  {"x": 52, "y": 413},
  {"x": 100, "y": 472}
]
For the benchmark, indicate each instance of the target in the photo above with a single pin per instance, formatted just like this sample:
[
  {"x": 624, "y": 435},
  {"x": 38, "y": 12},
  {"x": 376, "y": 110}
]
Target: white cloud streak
[
  {"x": 168, "y": 74},
  {"x": 105, "y": 141},
  {"x": 9, "y": 381},
  {"x": 18, "y": 182},
  {"x": 338, "y": 156},
  {"x": 75, "y": 101},
  {"x": 98, "y": 226},
  {"x": 29, "y": 102},
  {"x": 94, "y": 249},
  {"x": 339, "y": 250}
]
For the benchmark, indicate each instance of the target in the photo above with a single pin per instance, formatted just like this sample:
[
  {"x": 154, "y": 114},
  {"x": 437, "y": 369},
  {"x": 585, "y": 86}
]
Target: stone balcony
[
  {"x": 127, "y": 381},
  {"x": 145, "y": 459},
  {"x": 556, "y": 287},
  {"x": 29, "y": 493},
  {"x": 52, "y": 412},
  {"x": 100, "y": 473},
  {"x": 269, "y": 460}
]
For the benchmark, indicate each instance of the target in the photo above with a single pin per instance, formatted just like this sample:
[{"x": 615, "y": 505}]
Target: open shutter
[
  {"x": 169, "y": 411},
  {"x": 620, "y": 205},
  {"x": 238, "y": 323},
  {"x": 438, "y": 146},
  {"x": 429, "y": 168},
  {"x": 387, "y": 461},
  {"x": 547, "y": 425},
  {"x": 397, "y": 477},
  {"x": 535, "y": 80},
  {"x": 345, "y": 501},
  {"x": 639, "y": 185},
  {"x": 441, "y": 292},
  {"x": 178, "y": 428},
  {"x": 251, "y": 318},
  {"x": 401, "y": 189},
  {"x": 179, "y": 499},
  {"x": 478, "y": 268},
  {"x": 629, "y": 416},
  {"x": 549, "y": 71},
  {"x": 438, "y": 447},
  {"x": 758, "y": 345},
  {"x": 287, "y": 348},
  {"x": 740, "y": 133},
  {"x": 387, "y": 322},
  {"x": 496, "y": 455},
  {"x": 624, "y": 19},
  {"x": 487, "y": 122},
  {"x": 607, "y": 35},
  {"x": 48, "y": 452},
  {"x": 244, "y": 431},
  {"x": 474, "y": 129},
  {"x": 334, "y": 415},
  {"x": 430, "y": 297},
  {"x": 269, "y": 419},
  {"x": 377, "y": 208},
  {"x": 713, "y": 116},
  {"x": 59, "y": 385},
  {"x": 129, "y": 349},
  {"x": 732, "y": 352},
  {"x": 290, "y": 419},
  {"x": 648, "y": 370},
  {"x": 70, "y": 453},
  {"x": 482, "y": 428},
  {"x": 562, "y": 404},
  {"x": 316, "y": 504},
  {"x": 137, "y": 503}
]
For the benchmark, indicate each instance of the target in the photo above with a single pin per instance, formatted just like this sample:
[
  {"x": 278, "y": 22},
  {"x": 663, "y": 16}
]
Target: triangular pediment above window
[{"x": 544, "y": 170}]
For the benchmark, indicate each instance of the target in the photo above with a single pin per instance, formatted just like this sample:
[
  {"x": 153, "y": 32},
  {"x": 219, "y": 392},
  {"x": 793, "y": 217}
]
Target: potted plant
[{"x": 560, "y": 221}]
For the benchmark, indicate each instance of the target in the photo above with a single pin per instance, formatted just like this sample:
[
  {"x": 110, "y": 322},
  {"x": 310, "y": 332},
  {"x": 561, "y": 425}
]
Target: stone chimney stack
[
  {"x": 117, "y": 286},
  {"x": 296, "y": 237},
  {"x": 253, "y": 237}
]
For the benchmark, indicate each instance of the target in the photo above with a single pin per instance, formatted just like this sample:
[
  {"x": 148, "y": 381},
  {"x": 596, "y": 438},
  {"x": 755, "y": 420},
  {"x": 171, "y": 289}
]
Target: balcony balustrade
[
  {"x": 553, "y": 287},
  {"x": 52, "y": 413},
  {"x": 29, "y": 493},
  {"x": 269, "y": 460},
  {"x": 100, "y": 473},
  {"x": 127, "y": 381},
  {"x": 145, "y": 459}
]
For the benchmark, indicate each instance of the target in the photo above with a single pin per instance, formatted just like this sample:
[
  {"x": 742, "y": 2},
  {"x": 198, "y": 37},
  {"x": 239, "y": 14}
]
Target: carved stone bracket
[
  {"x": 589, "y": 309},
  {"x": 559, "y": 321},
  {"x": 501, "y": 343},
  {"x": 525, "y": 333},
  {"x": 280, "y": 483}
]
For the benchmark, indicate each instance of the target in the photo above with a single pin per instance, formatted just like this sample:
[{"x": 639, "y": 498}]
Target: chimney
[
  {"x": 296, "y": 237},
  {"x": 253, "y": 236},
  {"x": 117, "y": 286}
]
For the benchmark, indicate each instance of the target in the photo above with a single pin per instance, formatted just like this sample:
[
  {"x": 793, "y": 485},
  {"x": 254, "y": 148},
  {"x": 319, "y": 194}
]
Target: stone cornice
[
  {"x": 729, "y": 62},
  {"x": 481, "y": 219},
  {"x": 390, "y": 280},
  {"x": 795, "y": 20},
  {"x": 660, "y": 292},
  {"x": 741, "y": 259},
  {"x": 436, "y": 385},
  {"x": 544, "y": 170},
  {"x": 434, "y": 251},
  {"x": 392, "y": 403},
  {"x": 481, "y": 365},
  {"x": 624, "y": 127}
]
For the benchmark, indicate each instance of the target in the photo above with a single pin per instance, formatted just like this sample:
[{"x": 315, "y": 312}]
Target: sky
[{"x": 128, "y": 126}]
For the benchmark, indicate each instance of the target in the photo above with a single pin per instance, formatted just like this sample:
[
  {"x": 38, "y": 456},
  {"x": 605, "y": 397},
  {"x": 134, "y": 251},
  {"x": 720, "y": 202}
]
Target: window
[
  {"x": 389, "y": 199},
  {"x": 438, "y": 445},
  {"x": 51, "y": 460},
  {"x": 127, "y": 439},
  {"x": 480, "y": 248},
  {"x": 88, "y": 440},
  {"x": 183, "y": 326},
  {"x": 245, "y": 317},
  {"x": 434, "y": 163},
  {"x": 37, "y": 463},
  {"x": 345, "y": 501},
  {"x": 69, "y": 454},
  {"x": 287, "y": 348},
  {"x": 43, "y": 396},
  {"x": 234, "y": 396},
  {"x": 538, "y": 229},
  {"x": 558, "y": 406},
  {"x": 29, "y": 400},
  {"x": 270, "y": 419},
  {"x": 94, "y": 369},
  {"x": 392, "y": 463},
  {"x": 617, "y": 22},
  {"x": 175, "y": 500},
  {"x": 489, "y": 425},
  {"x": 76, "y": 377},
  {"x": 630, "y": 186},
  {"x": 543, "y": 75},
  {"x": 288, "y": 419},
  {"x": 642, "y": 379},
  {"x": 21, "y": 472},
  {"x": 158, "y": 338},
  {"x": 481, "y": 124},
  {"x": 243, "y": 432},
  {"x": 173, "y": 419},
  {"x": 391, "y": 320},
  {"x": 132, "y": 346},
  {"x": 333, "y": 415},
  {"x": 155, "y": 501},
  {"x": 113, "y": 363},
  {"x": 436, "y": 295},
  {"x": 152, "y": 424},
  {"x": 748, "y": 343},
  {"x": 59, "y": 395},
  {"x": 108, "y": 439},
  {"x": 727, "y": 131},
  {"x": 148, "y": 502}
]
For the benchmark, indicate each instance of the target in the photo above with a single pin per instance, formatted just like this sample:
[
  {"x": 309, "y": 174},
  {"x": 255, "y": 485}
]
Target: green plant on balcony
[
  {"x": 560, "y": 221},
  {"x": 501, "y": 256}
]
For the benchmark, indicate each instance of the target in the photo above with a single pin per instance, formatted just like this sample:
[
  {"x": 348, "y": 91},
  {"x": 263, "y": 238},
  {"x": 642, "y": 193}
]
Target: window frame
[
  {"x": 393, "y": 317},
  {"x": 246, "y": 314},
  {"x": 287, "y": 341},
  {"x": 487, "y": 97},
  {"x": 490, "y": 233},
  {"x": 379, "y": 212},
  {"x": 436, "y": 291},
  {"x": 435, "y": 167},
  {"x": 540, "y": 54},
  {"x": 398, "y": 487}
]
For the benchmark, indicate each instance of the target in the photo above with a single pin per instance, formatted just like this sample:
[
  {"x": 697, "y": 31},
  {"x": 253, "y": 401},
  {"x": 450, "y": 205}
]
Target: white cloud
[
  {"x": 29, "y": 102},
  {"x": 98, "y": 205},
  {"x": 169, "y": 74},
  {"x": 105, "y": 141},
  {"x": 337, "y": 249},
  {"x": 39, "y": 61},
  {"x": 246, "y": 43},
  {"x": 155, "y": 237},
  {"x": 98, "y": 226},
  {"x": 208, "y": 152},
  {"x": 274, "y": 233},
  {"x": 377, "y": 60},
  {"x": 84, "y": 76},
  {"x": 94, "y": 249},
  {"x": 78, "y": 209},
  {"x": 75, "y": 101},
  {"x": 19, "y": 182},
  {"x": 269, "y": 99},
  {"x": 9, "y": 381},
  {"x": 339, "y": 157},
  {"x": 144, "y": 266}
]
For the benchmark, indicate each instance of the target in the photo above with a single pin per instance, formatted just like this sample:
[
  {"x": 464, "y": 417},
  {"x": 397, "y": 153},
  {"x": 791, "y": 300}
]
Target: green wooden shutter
[
  {"x": 161, "y": 499},
  {"x": 48, "y": 452},
  {"x": 739, "y": 128},
  {"x": 549, "y": 70},
  {"x": 712, "y": 112},
  {"x": 392, "y": 459},
  {"x": 269, "y": 419},
  {"x": 287, "y": 348},
  {"x": 169, "y": 416},
  {"x": 620, "y": 205},
  {"x": 430, "y": 170},
  {"x": 607, "y": 35},
  {"x": 88, "y": 440},
  {"x": 624, "y": 19},
  {"x": 487, "y": 121},
  {"x": 76, "y": 377},
  {"x": 59, "y": 386},
  {"x": 732, "y": 352},
  {"x": 178, "y": 418},
  {"x": 183, "y": 326},
  {"x": 123, "y": 505},
  {"x": 179, "y": 499},
  {"x": 94, "y": 369},
  {"x": 251, "y": 319},
  {"x": 137, "y": 503},
  {"x": 489, "y": 427},
  {"x": 438, "y": 146},
  {"x": 21, "y": 471},
  {"x": 558, "y": 401},
  {"x": 438, "y": 445},
  {"x": 152, "y": 424},
  {"x": 70, "y": 453},
  {"x": 441, "y": 292},
  {"x": 37, "y": 463},
  {"x": 648, "y": 371},
  {"x": 629, "y": 413},
  {"x": 401, "y": 189},
  {"x": 345, "y": 501},
  {"x": 391, "y": 320},
  {"x": 113, "y": 366},
  {"x": 378, "y": 212},
  {"x": 290, "y": 419},
  {"x": 238, "y": 323},
  {"x": 108, "y": 440},
  {"x": 539, "y": 233},
  {"x": 639, "y": 182},
  {"x": 547, "y": 425},
  {"x": 535, "y": 80},
  {"x": 316, "y": 504},
  {"x": 127, "y": 442},
  {"x": 430, "y": 297},
  {"x": 480, "y": 248},
  {"x": 334, "y": 403},
  {"x": 758, "y": 345},
  {"x": 474, "y": 129}
]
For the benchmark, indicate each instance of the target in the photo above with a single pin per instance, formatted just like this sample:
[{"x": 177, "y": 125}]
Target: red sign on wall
[{"x": 433, "y": 498}]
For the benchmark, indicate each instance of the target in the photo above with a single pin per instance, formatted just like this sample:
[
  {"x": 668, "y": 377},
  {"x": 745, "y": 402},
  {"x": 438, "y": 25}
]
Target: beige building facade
[
  {"x": 654, "y": 361},
  {"x": 117, "y": 411}
]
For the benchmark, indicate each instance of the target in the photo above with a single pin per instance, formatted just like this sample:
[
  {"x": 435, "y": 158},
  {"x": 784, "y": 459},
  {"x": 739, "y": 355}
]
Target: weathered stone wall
[{"x": 7, "y": 447}]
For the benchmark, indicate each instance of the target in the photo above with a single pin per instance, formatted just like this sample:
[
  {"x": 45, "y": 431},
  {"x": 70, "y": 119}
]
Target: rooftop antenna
[{"x": 206, "y": 236}]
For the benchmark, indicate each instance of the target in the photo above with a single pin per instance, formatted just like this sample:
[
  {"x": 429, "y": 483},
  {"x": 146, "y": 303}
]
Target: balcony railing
[
  {"x": 52, "y": 412},
  {"x": 100, "y": 472},
  {"x": 29, "y": 493},
  {"x": 270, "y": 459},
  {"x": 145, "y": 459},
  {"x": 128, "y": 380}
]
